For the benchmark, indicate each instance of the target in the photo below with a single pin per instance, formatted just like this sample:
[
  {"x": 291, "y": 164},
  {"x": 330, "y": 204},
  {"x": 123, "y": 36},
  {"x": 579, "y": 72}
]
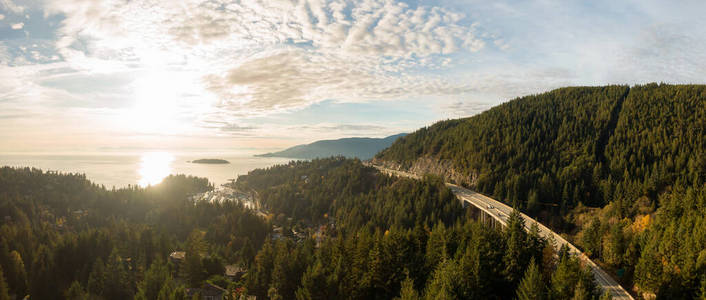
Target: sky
[{"x": 255, "y": 76}]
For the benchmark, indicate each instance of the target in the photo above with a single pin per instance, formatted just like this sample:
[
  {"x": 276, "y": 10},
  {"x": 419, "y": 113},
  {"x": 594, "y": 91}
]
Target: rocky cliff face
[{"x": 430, "y": 165}]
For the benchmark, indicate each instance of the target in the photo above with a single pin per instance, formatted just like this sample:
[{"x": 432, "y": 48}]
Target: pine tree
[
  {"x": 76, "y": 292},
  {"x": 155, "y": 278},
  {"x": 179, "y": 294},
  {"x": 535, "y": 242},
  {"x": 565, "y": 278},
  {"x": 515, "y": 258},
  {"x": 117, "y": 283},
  {"x": 470, "y": 277},
  {"x": 42, "y": 283},
  {"x": 445, "y": 283},
  {"x": 15, "y": 273},
  {"x": 165, "y": 293},
  {"x": 591, "y": 238},
  {"x": 581, "y": 292},
  {"x": 4, "y": 293},
  {"x": 532, "y": 201},
  {"x": 314, "y": 284},
  {"x": 407, "y": 291},
  {"x": 96, "y": 278},
  {"x": 532, "y": 286},
  {"x": 436, "y": 247},
  {"x": 193, "y": 266}
]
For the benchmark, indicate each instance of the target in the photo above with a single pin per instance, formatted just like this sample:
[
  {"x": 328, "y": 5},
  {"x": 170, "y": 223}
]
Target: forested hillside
[
  {"x": 382, "y": 237},
  {"x": 63, "y": 237},
  {"x": 330, "y": 228},
  {"x": 557, "y": 154}
]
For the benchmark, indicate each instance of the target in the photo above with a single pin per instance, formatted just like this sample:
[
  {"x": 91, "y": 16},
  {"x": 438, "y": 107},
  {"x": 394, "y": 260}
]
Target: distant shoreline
[{"x": 210, "y": 161}]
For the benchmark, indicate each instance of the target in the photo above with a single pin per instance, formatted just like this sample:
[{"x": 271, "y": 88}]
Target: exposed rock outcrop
[{"x": 430, "y": 165}]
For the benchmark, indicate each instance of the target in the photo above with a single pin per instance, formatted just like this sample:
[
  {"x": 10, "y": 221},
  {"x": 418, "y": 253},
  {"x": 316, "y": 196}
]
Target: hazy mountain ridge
[{"x": 359, "y": 147}]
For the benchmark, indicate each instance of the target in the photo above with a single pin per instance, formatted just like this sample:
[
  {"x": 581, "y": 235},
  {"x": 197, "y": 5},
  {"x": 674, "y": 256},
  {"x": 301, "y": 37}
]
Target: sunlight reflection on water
[{"x": 154, "y": 166}]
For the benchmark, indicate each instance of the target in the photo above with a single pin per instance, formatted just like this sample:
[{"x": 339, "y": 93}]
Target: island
[{"x": 210, "y": 161}]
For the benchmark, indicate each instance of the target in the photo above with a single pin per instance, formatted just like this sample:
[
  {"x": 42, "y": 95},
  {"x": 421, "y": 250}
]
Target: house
[
  {"x": 277, "y": 233},
  {"x": 177, "y": 256},
  {"x": 298, "y": 235},
  {"x": 234, "y": 272},
  {"x": 207, "y": 292}
]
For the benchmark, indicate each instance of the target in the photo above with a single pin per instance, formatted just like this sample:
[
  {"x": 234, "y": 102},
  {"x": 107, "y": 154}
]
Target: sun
[{"x": 154, "y": 166}]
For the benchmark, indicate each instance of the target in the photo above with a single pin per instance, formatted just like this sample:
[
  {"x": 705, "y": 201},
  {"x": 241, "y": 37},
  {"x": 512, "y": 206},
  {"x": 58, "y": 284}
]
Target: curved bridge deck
[{"x": 500, "y": 212}]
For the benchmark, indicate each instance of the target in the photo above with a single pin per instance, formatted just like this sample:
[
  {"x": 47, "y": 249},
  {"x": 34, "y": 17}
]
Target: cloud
[
  {"x": 17, "y": 26},
  {"x": 9, "y": 5},
  {"x": 230, "y": 67},
  {"x": 294, "y": 78},
  {"x": 2, "y": 17},
  {"x": 467, "y": 108},
  {"x": 663, "y": 54},
  {"x": 229, "y": 127},
  {"x": 268, "y": 56},
  {"x": 344, "y": 127},
  {"x": 317, "y": 131}
]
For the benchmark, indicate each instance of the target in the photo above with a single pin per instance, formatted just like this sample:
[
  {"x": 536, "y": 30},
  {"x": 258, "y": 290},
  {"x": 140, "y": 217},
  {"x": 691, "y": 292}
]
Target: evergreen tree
[
  {"x": 16, "y": 276},
  {"x": 155, "y": 279},
  {"x": 445, "y": 283},
  {"x": 167, "y": 290},
  {"x": 436, "y": 247},
  {"x": 515, "y": 258},
  {"x": 193, "y": 265},
  {"x": 581, "y": 292},
  {"x": 117, "y": 283},
  {"x": 565, "y": 278},
  {"x": 535, "y": 243},
  {"x": 4, "y": 292},
  {"x": 591, "y": 238},
  {"x": 96, "y": 279},
  {"x": 532, "y": 286},
  {"x": 42, "y": 285},
  {"x": 76, "y": 292},
  {"x": 407, "y": 292},
  {"x": 315, "y": 284}
]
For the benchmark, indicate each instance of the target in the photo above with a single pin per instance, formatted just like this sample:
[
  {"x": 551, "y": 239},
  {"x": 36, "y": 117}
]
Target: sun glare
[
  {"x": 154, "y": 167},
  {"x": 155, "y": 109}
]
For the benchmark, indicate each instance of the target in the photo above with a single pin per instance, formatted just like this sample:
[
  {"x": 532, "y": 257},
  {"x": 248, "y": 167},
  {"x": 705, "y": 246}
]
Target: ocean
[{"x": 148, "y": 168}]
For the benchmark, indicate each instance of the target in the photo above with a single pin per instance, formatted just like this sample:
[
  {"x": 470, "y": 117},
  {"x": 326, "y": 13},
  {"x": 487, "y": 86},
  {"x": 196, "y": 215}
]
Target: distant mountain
[
  {"x": 362, "y": 148},
  {"x": 212, "y": 161}
]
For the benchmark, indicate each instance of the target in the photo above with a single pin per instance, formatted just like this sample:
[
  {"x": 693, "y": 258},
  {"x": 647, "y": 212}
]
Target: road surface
[{"x": 500, "y": 212}]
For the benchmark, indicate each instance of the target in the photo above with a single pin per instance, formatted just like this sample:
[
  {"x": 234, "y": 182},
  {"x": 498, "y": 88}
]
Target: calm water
[{"x": 119, "y": 170}]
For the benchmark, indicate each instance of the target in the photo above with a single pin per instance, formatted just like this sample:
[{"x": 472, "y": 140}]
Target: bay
[{"x": 121, "y": 170}]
